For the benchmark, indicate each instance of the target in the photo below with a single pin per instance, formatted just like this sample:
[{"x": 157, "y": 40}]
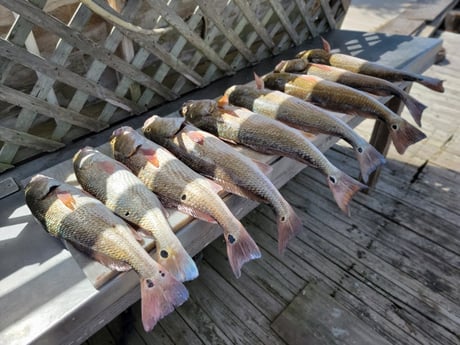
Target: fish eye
[
  {"x": 360, "y": 149},
  {"x": 183, "y": 197},
  {"x": 394, "y": 126}
]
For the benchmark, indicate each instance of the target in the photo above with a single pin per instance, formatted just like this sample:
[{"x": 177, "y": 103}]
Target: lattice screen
[{"x": 65, "y": 71}]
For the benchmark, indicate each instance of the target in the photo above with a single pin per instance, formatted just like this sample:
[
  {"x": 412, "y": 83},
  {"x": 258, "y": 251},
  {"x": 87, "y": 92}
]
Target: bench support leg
[{"x": 380, "y": 137}]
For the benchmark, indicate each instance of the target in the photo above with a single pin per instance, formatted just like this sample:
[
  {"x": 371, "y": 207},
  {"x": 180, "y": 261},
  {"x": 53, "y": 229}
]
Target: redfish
[
  {"x": 345, "y": 99},
  {"x": 179, "y": 186},
  {"x": 269, "y": 136},
  {"x": 305, "y": 116},
  {"x": 125, "y": 195},
  {"x": 376, "y": 86},
  {"x": 217, "y": 160},
  {"x": 357, "y": 65},
  {"x": 68, "y": 213}
]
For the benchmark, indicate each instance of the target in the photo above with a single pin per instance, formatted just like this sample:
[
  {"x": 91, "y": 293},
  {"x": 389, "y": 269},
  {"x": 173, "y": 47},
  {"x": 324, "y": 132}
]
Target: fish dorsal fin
[
  {"x": 151, "y": 156},
  {"x": 196, "y": 137},
  {"x": 259, "y": 82},
  {"x": 326, "y": 45},
  {"x": 223, "y": 101},
  {"x": 102, "y": 258},
  {"x": 67, "y": 199},
  {"x": 265, "y": 168}
]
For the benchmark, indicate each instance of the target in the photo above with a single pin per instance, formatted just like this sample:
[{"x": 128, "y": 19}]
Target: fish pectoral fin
[
  {"x": 196, "y": 137},
  {"x": 265, "y": 168},
  {"x": 102, "y": 258},
  {"x": 151, "y": 156},
  {"x": 223, "y": 101},
  {"x": 137, "y": 234},
  {"x": 67, "y": 199}
]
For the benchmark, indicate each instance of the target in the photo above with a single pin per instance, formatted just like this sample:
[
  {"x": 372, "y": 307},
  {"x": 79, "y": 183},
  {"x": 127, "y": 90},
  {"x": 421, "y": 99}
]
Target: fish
[
  {"x": 376, "y": 86},
  {"x": 69, "y": 213},
  {"x": 217, "y": 160},
  {"x": 304, "y": 116},
  {"x": 180, "y": 187},
  {"x": 265, "y": 135},
  {"x": 357, "y": 65},
  {"x": 342, "y": 98},
  {"x": 124, "y": 194}
]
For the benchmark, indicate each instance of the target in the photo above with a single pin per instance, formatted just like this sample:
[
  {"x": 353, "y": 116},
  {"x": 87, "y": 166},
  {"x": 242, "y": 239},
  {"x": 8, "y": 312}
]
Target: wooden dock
[{"x": 389, "y": 274}]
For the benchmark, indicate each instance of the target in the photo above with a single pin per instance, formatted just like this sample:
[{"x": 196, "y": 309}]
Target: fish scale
[
  {"x": 125, "y": 194},
  {"x": 217, "y": 160},
  {"x": 179, "y": 186},
  {"x": 68, "y": 213}
]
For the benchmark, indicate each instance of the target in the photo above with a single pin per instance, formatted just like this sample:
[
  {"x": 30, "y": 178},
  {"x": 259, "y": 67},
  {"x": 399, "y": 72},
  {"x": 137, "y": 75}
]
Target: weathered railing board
[
  {"x": 26, "y": 101},
  {"x": 97, "y": 68},
  {"x": 29, "y": 140},
  {"x": 183, "y": 50}
]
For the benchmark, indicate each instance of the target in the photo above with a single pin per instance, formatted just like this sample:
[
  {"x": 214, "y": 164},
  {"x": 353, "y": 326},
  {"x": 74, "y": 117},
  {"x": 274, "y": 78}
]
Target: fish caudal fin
[
  {"x": 432, "y": 83},
  {"x": 289, "y": 225},
  {"x": 159, "y": 296},
  {"x": 240, "y": 250},
  {"x": 175, "y": 259},
  {"x": 369, "y": 159},
  {"x": 405, "y": 135},
  {"x": 343, "y": 188},
  {"x": 415, "y": 108}
]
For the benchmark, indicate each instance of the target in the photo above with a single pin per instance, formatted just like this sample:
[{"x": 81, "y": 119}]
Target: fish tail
[
  {"x": 289, "y": 225},
  {"x": 415, "y": 108},
  {"x": 369, "y": 159},
  {"x": 175, "y": 259},
  {"x": 160, "y": 294},
  {"x": 240, "y": 249},
  {"x": 343, "y": 188},
  {"x": 432, "y": 83},
  {"x": 405, "y": 135}
]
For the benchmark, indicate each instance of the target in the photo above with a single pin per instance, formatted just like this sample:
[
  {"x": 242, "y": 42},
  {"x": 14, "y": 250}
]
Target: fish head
[
  {"x": 315, "y": 56},
  {"x": 203, "y": 114},
  {"x": 157, "y": 127},
  {"x": 294, "y": 65},
  {"x": 276, "y": 81},
  {"x": 124, "y": 142},
  {"x": 39, "y": 187},
  {"x": 85, "y": 157}
]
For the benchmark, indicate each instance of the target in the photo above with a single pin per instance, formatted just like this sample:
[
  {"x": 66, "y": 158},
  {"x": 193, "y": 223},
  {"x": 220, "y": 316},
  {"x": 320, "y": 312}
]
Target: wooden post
[{"x": 380, "y": 137}]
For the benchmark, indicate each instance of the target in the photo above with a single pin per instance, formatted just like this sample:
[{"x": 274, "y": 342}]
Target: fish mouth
[
  {"x": 280, "y": 66},
  {"x": 198, "y": 108}
]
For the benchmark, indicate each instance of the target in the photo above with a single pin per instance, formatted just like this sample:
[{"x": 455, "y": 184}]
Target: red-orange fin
[
  {"x": 241, "y": 248},
  {"x": 289, "y": 225},
  {"x": 369, "y": 160},
  {"x": 405, "y": 135},
  {"x": 223, "y": 101},
  {"x": 160, "y": 294},
  {"x": 107, "y": 166},
  {"x": 67, "y": 199},
  {"x": 151, "y": 156},
  {"x": 343, "y": 188},
  {"x": 196, "y": 137},
  {"x": 259, "y": 82},
  {"x": 326, "y": 45}
]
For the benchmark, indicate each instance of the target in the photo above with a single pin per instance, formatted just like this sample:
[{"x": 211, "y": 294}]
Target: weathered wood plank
[
  {"x": 157, "y": 337},
  {"x": 208, "y": 10},
  {"x": 18, "y": 98},
  {"x": 259, "y": 28},
  {"x": 78, "y": 40},
  {"x": 313, "y": 317},
  {"x": 28, "y": 140},
  {"x": 58, "y": 72},
  {"x": 284, "y": 19}
]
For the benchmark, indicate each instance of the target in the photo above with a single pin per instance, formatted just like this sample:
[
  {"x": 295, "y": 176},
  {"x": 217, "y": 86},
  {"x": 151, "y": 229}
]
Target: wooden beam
[{"x": 28, "y": 140}]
